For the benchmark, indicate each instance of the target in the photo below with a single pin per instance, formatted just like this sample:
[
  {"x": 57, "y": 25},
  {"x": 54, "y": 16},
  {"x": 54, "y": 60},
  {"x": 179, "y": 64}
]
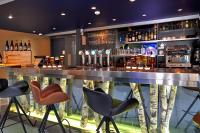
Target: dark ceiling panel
[{"x": 43, "y": 15}]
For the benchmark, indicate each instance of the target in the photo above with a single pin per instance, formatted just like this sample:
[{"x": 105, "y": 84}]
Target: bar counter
[
  {"x": 161, "y": 76},
  {"x": 163, "y": 85}
]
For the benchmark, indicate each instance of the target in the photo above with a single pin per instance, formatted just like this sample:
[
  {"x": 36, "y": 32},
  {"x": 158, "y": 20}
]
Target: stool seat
[
  {"x": 17, "y": 89},
  {"x": 105, "y": 105},
  {"x": 50, "y": 95}
]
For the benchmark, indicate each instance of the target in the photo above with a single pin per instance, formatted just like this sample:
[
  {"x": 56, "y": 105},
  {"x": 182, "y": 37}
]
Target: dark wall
[{"x": 67, "y": 44}]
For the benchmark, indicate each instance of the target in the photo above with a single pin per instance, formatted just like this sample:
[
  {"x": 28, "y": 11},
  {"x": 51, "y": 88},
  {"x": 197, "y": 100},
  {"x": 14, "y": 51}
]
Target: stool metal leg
[
  {"x": 20, "y": 107},
  {"x": 197, "y": 97},
  {"x": 43, "y": 123},
  {"x": 59, "y": 120},
  {"x": 115, "y": 126},
  {"x": 18, "y": 111},
  {"x": 100, "y": 124},
  {"x": 3, "y": 120},
  {"x": 107, "y": 125}
]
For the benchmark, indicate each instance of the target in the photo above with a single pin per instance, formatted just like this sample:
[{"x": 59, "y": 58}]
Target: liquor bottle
[
  {"x": 143, "y": 36},
  {"x": 11, "y": 46},
  {"x": 139, "y": 36},
  {"x": 29, "y": 46},
  {"x": 136, "y": 36},
  {"x": 152, "y": 36},
  {"x": 25, "y": 47},
  {"x": 129, "y": 37},
  {"x": 155, "y": 34},
  {"x": 7, "y": 46},
  {"x": 149, "y": 35},
  {"x": 133, "y": 37},
  {"x": 16, "y": 46},
  {"x": 186, "y": 24},
  {"x": 146, "y": 36},
  {"x": 20, "y": 48}
]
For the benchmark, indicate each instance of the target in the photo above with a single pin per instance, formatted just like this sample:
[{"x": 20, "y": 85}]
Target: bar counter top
[{"x": 162, "y": 76}]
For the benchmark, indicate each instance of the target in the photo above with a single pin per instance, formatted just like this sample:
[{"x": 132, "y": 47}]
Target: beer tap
[
  {"x": 94, "y": 54},
  {"x": 108, "y": 52},
  {"x": 82, "y": 57},
  {"x": 87, "y": 52},
  {"x": 100, "y": 53}
]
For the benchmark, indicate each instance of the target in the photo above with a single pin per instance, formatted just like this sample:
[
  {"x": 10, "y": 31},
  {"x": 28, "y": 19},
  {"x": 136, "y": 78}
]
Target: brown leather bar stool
[
  {"x": 196, "y": 120},
  {"x": 51, "y": 95}
]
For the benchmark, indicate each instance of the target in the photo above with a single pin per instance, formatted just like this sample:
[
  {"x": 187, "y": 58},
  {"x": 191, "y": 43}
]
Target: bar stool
[
  {"x": 51, "y": 95},
  {"x": 196, "y": 120},
  {"x": 17, "y": 89},
  {"x": 103, "y": 104}
]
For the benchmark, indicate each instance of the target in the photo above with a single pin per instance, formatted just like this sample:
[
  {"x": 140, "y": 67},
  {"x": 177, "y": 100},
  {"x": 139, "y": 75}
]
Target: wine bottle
[
  {"x": 7, "y": 46},
  {"x": 20, "y": 48},
  {"x": 11, "y": 46},
  {"x": 1, "y": 58},
  {"x": 16, "y": 46},
  {"x": 25, "y": 47},
  {"x": 29, "y": 46}
]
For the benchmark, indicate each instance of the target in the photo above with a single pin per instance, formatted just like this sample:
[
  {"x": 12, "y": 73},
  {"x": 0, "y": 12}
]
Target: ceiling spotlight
[
  {"x": 34, "y": 31},
  {"x": 179, "y": 10},
  {"x": 89, "y": 23},
  {"x": 54, "y": 28},
  {"x": 114, "y": 19},
  {"x": 144, "y": 15},
  {"x": 93, "y": 8},
  {"x": 132, "y": 0},
  {"x": 10, "y": 17},
  {"x": 97, "y": 12},
  {"x": 40, "y": 34},
  {"x": 63, "y": 14}
]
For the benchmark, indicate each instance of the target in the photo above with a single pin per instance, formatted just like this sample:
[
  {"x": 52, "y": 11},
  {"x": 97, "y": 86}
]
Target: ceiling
[{"x": 43, "y": 15}]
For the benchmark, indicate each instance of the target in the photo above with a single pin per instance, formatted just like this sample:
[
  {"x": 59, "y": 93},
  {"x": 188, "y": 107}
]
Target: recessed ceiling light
[
  {"x": 114, "y": 19},
  {"x": 132, "y": 0},
  {"x": 63, "y": 14},
  {"x": 40, "y": 34},
  {"x": 34, "y": 31},
  {"x": 144, "y": 15},
  {"x": 97, "y": 12},
  {"x": 54, "y": 28},
  {"x": 10, "y": 17},
  {"x": 89, "y": 23},
  {"x": 93, "y": 8},
  {"x": 179, "y": 10}
]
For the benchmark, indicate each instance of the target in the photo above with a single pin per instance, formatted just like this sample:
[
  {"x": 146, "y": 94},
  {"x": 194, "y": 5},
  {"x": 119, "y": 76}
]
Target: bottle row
[
  {"x": 142, "y": 35},
  {"x": 22, "y": 46},
  {"x": 179, "y": 25}
]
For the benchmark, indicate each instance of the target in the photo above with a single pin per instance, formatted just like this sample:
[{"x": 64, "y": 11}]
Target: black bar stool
[
  {"x": 17, "y": 89},
  {"x": 103, "y": 104}
]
